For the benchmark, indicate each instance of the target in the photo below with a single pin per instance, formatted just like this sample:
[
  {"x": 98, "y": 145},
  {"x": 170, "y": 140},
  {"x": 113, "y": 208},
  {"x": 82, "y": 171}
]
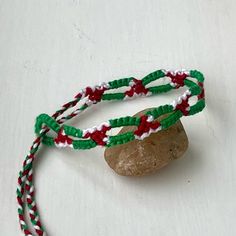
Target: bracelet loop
[{"x": 98, "y": 135}]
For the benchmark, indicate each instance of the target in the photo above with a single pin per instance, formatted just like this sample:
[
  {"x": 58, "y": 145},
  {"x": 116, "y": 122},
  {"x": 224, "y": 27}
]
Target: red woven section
[
  {"x": 145, "y": 126},
  {"x": 137, "y": 88},
  {"x": 183, "y": 106},
  {"x": 98, "y": 135},
  {"x": 62, "y": 138},
  {"x": 177, "y": 78},
  {"x": 202, "y": 94}
]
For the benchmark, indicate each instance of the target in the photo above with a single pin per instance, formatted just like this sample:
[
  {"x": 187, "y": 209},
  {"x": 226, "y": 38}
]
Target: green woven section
[
  {"x": 120, "y": 83},
  {"x": 197, "y": 74},
  {"x": 161, "y": 110},
  {"x": 84, "y": 144},
  {"x": 120, "y": 139},
  {"x": 144, "y": 125},
  {"x": 124, "y": 121},
  {"x": 113, "y": 96},
  {"x": 194, "y": 88},
  {"x": 72, "y": 131},
  {"x": 153, "y": 76},
  {"x": 199, "y": 106},
  {"x": 49, "y": 141},
  {"x": 160, "y": 89},
  {"x": 171, "y": 119},
  {"x": 48, "y": 121}
]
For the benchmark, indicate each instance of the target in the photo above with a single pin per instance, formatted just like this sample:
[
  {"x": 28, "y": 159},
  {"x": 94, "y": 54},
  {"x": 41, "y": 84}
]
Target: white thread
[
  {"x": 31, "y": 189},
  {"x": 42, "y": 130},
  {"x": 62, "y": 119},
  {"x": 175, "y": 72},
  {"x": 29, "y": 161},
  {"x": 136, "y": 95},
  {"x": 63, "y": 145},
  {"x": 174, "y": 104},
  {"x": 37, "y": 227},
  {"x": 150, "y": 118},
  {"x": 144, "y": 135},
  {"x": 22, "y": 222},
  {"x": 31, "y": 212},
  {"x": 106, "y": 140},
  {"x": 95, "y": 128},
  {"x": 35, "y": 145},
  {"x": 23, "y": 178},
  {"x": 180, "y": 99},
  {"x": 76, "y": 112},
  {"x": 30, "y": 172}
]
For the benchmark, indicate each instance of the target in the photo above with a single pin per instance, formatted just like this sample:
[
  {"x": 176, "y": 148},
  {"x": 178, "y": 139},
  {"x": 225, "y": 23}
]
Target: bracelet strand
[{"x": 69, "y": 136}]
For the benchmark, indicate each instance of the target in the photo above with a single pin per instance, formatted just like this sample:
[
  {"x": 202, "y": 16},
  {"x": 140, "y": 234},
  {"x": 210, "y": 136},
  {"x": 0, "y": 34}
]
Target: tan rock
[{"x": 137, "y": 158}]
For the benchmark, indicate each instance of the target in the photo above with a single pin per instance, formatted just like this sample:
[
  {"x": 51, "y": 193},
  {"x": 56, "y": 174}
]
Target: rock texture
[{"x": 138, "y": 158}]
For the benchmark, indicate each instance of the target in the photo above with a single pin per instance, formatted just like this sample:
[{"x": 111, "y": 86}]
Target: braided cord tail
[
  {"x": 91, "y": 137},
  {"x": 25, "y": 178},
  {"x": 25, "y": 186}
]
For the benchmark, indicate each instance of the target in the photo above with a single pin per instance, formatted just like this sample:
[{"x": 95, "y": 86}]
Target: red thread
[
  {"x": 19, "y": 200},
  {"x": 202, "y": 94},
  {"x": 79, "y": 95},
  {"x": 27, "y": 232},
  {"x": 62, "y": 138},
  {"x": 39, "y": 232},
  {"x": 98, "y": 135},
  {"x": 183, "y": 106},
  {"x": 70, "y": 104},
  {"x": 137, "y": 88},
  {"x": 177, "y": 78},
  {"x": 145, "y": 126},
  {"x": 94, "y": 95}
]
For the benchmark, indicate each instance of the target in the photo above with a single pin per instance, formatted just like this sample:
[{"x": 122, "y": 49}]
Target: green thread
[
  {"x": 72, "y": 131},
  {"x": 153, "y": 76},
  {"x": 198, "y": 107},
  {"x": 120, "y": 83},
  {"x": 194, "y": 88},
  {"x": 145, "y": 124},
  {"x": 48, "y": 121},
  {"x": 197, "y": 74},
  {"x": 121, "y": 139},
  {"x": 84, "y": 144},
  {"x": 171, "y": 119},
  {"x": 115, "y": 96},
  {"x": 161, "y": 110},
  {"x": 161, "y": 89}
]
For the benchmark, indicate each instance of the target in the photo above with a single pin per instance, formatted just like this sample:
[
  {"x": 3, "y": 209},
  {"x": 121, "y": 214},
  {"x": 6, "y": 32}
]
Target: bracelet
[{"x": 69, "y": 136}]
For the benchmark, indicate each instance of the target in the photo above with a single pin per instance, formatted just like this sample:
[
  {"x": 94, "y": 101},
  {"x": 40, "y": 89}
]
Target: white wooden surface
[{"x": 49, "y": 50}]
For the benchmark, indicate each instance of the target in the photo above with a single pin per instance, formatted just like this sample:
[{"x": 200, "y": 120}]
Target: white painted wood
[{"x": 49, "y": 50}]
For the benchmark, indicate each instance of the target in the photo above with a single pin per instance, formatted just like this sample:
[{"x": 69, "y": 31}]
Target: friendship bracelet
[{"x": 69, "y": 136}]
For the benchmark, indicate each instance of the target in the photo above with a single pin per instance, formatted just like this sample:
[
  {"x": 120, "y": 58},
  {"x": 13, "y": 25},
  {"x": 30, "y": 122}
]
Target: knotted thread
[{"x": 69, "y": 136}]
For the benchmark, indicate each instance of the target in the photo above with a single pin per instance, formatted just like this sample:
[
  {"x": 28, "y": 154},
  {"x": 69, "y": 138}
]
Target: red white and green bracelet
[{"x": 69, "y": 136}]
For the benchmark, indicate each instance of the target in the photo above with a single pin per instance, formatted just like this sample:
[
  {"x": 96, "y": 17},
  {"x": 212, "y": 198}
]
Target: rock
[{"x": 138, "y": 158}]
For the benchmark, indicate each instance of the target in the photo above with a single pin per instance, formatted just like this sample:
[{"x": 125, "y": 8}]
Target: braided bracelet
[{"x": 97, "y": 135}]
